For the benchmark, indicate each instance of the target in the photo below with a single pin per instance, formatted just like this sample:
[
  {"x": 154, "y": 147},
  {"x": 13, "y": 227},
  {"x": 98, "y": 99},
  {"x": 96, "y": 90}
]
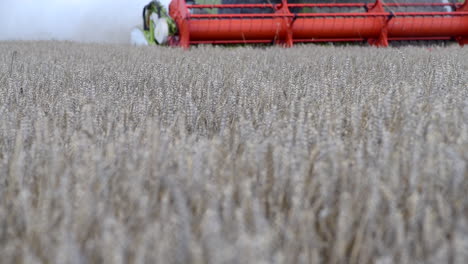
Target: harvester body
[{"x": 286, "y": 22}]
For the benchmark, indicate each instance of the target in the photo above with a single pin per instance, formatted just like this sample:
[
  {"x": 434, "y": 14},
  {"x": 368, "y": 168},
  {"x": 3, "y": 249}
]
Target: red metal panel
[
  {"x": 329, "y": 27},
  {"x": 240, "y": 29},
  {"x": 428, "y": 26}
]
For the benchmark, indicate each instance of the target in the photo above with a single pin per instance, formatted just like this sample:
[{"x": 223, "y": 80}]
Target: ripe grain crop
[{"x": 117, "y": 154}]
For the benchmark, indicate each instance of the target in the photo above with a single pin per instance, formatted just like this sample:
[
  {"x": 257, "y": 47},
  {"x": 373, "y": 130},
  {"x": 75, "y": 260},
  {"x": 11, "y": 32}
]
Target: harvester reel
[{"x": 286, "y": 22}]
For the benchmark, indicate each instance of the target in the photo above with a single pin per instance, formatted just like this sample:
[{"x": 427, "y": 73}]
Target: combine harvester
[{"x": 287, "y": 22}]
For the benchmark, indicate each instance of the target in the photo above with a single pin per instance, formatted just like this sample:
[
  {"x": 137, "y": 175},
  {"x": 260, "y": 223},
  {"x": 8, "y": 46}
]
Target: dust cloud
[{"x": 107, "y": 21}]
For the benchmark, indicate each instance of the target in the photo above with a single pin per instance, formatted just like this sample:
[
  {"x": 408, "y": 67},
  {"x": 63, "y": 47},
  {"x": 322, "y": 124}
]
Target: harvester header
[{"x": 287, "y": 22}]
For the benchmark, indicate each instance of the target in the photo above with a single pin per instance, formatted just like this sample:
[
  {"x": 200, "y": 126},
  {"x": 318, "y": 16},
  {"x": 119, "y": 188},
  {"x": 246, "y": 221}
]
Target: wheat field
[{"x": 315, "y": 154}]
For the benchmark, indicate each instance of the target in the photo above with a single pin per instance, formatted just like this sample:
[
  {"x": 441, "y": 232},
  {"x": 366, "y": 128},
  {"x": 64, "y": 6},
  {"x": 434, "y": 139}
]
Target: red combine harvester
[{"x": 286, "y": 22}]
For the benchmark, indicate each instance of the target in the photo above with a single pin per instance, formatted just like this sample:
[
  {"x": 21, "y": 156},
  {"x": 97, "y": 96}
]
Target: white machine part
[
  {"x": 137, "y": 38},
  {"x": 161, "y": 31}
]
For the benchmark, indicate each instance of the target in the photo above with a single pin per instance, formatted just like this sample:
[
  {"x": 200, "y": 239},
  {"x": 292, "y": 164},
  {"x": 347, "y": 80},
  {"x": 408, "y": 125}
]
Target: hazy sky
[{"x": 78, "y": 20}]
